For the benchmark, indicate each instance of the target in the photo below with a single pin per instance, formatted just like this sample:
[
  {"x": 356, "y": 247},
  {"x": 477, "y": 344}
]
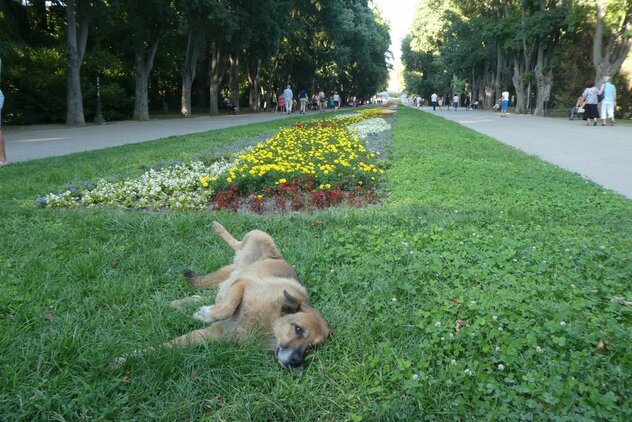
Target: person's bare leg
[{"x": 3, "y": 155}]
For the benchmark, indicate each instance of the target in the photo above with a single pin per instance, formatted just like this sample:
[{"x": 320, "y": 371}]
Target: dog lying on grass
[{"x": 259, "y": 292}]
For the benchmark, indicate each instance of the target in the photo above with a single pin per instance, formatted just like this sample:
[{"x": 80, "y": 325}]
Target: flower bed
[{"x": 309, "y": 165}]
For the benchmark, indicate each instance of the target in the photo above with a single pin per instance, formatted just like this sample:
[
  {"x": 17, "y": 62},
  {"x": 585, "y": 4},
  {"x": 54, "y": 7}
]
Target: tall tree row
[
  {"x": 538, "y": 49},
  {"x": 189, "y": 56}
]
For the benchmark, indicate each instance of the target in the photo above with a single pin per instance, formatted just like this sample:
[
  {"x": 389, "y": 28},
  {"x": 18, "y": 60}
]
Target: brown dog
[{"x": 258, "y": 292}]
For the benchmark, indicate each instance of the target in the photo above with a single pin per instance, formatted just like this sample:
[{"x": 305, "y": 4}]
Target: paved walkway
[
  {"x": 30, "y": 143},
  {"x": 602, "y": 154}
]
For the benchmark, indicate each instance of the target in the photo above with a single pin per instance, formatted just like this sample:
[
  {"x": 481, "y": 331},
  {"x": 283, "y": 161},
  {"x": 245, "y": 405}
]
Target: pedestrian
[
  {"x": 440, "y": 103},
  {"x": 609, "y": 101},
  {"x": 302, "y": 97},
  {"x": 455, "y": 102},
  {"x": 3, "y": 154},
  {"x": 281, "y": 102},
  {"x": 336, "y": 101},
  {"x": 591, "y": 99},
  {"x": 504, "y": 103},
  {"x": 274, "y": 101},
  {"x": 289, "y": 97},
  {"x": 321, "y": 101},
  {"x": 433, "y": 100}
]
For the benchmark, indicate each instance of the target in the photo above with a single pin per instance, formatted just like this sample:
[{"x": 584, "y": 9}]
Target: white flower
[
  {"x": 394, "y": 299},
  {"x": 438, "y": 324},
  {"x": 473, "y": 302},
  {"x": 469, "y": 372},
  {"x": 538, "y": 349},
  {"x": 501, "y": 367},
  {"x": 442, "y": 338},
  {"x": 453, "y": 362},
  {"x": 415, "y": 377},
  {"x": 498, "y": 348},
  {"x": 562, "y": 323},
  {"x": 500, "y": 328},
  {"x": 495, "y": 318}
]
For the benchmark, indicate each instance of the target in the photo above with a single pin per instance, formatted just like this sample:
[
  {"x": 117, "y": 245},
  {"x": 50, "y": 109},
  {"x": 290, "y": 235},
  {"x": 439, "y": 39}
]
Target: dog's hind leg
[
  {"x": 214, "y": 332},
  {"x": 227, "y": 237},
  {"x": 210, "y": 280}
]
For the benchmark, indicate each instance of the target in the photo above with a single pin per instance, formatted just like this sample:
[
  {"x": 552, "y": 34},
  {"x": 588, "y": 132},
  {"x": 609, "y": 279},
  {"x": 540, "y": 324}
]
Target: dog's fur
[{"x": 258, "y": 292}]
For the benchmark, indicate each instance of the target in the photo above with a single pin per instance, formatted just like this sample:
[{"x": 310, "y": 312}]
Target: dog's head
[{"x": 300, "y": 330}]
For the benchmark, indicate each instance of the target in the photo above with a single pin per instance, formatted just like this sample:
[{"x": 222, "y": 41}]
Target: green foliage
[
  {"x": 527, "y": 256},
  {"x": 330, "y": 45},
  {"x": 34, "y": 85}
]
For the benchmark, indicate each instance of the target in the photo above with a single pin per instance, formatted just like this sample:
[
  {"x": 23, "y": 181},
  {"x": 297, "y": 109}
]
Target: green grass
[{"x": 471, "y": 230}]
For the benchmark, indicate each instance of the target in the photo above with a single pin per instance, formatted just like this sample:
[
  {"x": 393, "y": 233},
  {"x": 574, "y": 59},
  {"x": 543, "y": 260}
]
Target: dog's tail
[{"x": 208, "y": 281}]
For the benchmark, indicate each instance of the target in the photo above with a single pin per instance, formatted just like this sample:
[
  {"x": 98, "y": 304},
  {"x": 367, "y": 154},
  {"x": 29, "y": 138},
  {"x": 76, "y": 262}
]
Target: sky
[{"x": 400, "y": 15}]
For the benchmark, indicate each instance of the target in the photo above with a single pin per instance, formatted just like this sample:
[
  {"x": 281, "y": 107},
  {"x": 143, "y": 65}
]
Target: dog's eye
[{"x": 299, "y": 330}]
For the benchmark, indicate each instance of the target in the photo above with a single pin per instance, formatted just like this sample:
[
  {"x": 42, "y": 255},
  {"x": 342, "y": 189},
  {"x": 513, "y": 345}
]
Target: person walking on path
[
  {"x": 609, "y": 102},
  {"x": 455, "y": 102},
  {"x": 591, "y": 99},
  {"x": 504, "y": 103},
  {"x": 336, "y": 98},
  {"x": 281, "y": 103},
  {"x": 433, "y": 100},
  {"x": 302, "y": 97},
  {"x": 289, "y": 97},
  {"x": 321, "y": 101},
  {"x": 3, "y": 154}
]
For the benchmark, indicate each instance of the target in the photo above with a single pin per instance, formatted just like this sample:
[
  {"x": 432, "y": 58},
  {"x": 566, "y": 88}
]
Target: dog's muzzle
[{"x": 290, "y": 358}]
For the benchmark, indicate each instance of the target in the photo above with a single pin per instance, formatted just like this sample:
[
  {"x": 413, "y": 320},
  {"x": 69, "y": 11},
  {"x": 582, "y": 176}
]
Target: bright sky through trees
[{"x": 400, "y": 15}]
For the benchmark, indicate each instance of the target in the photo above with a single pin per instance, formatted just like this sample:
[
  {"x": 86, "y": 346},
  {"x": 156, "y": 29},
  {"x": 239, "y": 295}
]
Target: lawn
[{"x": 480, "y": 289}]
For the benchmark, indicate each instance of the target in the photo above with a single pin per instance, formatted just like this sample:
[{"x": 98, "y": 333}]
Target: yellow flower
[{"x": 259, "y": 196}]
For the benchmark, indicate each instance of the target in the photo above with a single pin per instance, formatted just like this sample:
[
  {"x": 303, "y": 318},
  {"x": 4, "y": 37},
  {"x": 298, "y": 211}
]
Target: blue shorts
[{"x": 504, "y": 105}]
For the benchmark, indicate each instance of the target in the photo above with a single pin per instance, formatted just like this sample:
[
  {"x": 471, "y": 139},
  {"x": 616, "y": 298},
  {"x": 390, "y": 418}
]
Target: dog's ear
[{"x": 291, "y": 305}]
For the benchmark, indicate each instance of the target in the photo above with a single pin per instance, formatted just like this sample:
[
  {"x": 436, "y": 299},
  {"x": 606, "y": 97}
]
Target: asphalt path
[
  {"x": 29, "y": 143},
  {"x": 601, "y": 154}
]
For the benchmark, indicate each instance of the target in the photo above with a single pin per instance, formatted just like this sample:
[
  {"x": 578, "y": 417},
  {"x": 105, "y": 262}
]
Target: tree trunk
[
  {"x": 218, "y": 68},
  {"x": 188, "y": 74},
  {"x": 543, "y": 77},
  {"x": 519, "y": 85},
  {"x": 272, "y": 77},
  {"x": 608, "y": 59},
  {"x": 233, "y": 60},
  {"x": 254, "y": 75},
  {"x": 143, "y": 70},
  {"x": 76, "y": 47}
]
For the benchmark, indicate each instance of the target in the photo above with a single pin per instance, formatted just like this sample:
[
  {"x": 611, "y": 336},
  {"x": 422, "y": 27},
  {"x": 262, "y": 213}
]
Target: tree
[
  {"x": 613, "y": 37},
  {"x": 78, "y": 17},
  {"x": 147, "y": 21}
]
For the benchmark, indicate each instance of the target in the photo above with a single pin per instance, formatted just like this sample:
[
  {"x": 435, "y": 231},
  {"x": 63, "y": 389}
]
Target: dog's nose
[{"x": 296, "y": 359}]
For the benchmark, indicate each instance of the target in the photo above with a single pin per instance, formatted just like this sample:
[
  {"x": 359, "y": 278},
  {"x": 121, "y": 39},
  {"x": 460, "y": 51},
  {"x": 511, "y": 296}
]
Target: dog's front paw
[{"x": 204, "y": 314}]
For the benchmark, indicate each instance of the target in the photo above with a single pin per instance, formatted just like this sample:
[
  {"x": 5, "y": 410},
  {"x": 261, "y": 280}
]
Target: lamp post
[{"x": 98, "y": 117}]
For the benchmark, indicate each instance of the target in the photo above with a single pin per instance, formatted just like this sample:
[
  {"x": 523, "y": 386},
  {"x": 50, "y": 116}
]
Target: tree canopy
[
  {"x": 543, "y": 51},
  {"x": 158, "y": 55}
]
